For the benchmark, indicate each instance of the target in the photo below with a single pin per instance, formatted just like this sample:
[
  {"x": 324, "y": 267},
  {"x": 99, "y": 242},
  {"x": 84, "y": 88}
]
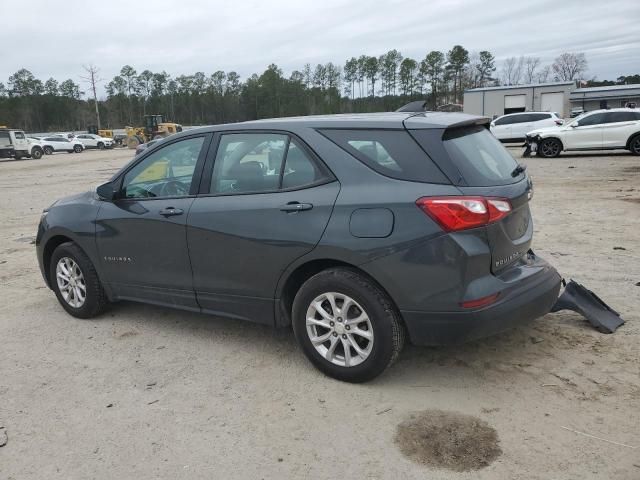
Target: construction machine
[
  {"x": 106, "y": 133},
  {"x": 154, "y": 127}
]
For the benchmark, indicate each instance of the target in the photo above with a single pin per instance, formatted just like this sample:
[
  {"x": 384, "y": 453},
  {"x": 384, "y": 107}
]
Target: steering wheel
[{"x": 173, "y": 188}]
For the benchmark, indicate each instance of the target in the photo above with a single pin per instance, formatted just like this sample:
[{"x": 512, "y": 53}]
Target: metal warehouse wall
[
  {"x": 491, "y": 102},
  {"x": 590, "y": 105}
]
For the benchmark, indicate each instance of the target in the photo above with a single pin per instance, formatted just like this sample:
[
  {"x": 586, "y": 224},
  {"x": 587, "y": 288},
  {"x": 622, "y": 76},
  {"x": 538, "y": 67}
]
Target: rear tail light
[{"x": 461, "y": 213}]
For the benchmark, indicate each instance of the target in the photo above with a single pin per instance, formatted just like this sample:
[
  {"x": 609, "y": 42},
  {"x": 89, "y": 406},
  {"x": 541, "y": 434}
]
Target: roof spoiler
[{"x": 482, "y": 121}]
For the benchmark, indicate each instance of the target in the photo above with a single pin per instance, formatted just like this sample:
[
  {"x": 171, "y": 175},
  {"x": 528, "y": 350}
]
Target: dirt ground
[{"x": 145, "y": 392}]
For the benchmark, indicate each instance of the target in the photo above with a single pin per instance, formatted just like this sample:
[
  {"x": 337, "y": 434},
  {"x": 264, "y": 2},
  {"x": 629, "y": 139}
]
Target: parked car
[
  {"x": 90, "y": 140},
  {"x": 15, "y": 144},
  {"x": 514, "y": 126},
  {"x": 143, "y": 146},
  {"x": 614, "y": 129},
  {"x": 56, "y": 143},
  {"x": 341, "y": 226},
  {"x": 576, "y": 112}
]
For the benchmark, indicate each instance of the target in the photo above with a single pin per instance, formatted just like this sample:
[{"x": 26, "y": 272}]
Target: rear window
[
  {"x": 479, "y": 157},
  {"x": 392, "y": 153}
]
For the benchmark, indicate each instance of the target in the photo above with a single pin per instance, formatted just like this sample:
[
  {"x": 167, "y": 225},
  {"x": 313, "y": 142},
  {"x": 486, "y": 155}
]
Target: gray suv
[{"x": 356, "y": 230}]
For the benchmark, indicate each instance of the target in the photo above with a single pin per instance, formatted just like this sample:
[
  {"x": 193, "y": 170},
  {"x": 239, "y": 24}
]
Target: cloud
[{"x": 247, "y": 35}]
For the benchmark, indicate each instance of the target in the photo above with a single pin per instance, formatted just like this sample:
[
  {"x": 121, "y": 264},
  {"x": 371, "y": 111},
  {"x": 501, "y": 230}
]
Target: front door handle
[
  {"x": 296, "y": 207},
  {"x": 170, "y": 212}
]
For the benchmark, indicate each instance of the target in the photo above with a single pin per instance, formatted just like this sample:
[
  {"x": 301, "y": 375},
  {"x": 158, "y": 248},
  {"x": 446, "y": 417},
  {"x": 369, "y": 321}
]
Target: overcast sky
[{"x": 183, "y": 37}]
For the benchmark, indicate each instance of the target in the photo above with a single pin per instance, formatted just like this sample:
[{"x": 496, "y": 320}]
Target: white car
[
  {"x": 57, "y": 143},
  {"x": 613, "y": 129},
  {"x": 90, "y": 140},
  {"x": 513, "y": 127}
]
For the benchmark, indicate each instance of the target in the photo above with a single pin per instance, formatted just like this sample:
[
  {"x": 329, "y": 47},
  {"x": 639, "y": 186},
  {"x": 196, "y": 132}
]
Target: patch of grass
[{"x": 448, "y": 440}]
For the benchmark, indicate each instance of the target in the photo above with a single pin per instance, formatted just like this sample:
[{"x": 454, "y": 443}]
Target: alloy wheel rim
[
  {"x": 339, "y": 329},
  {"x": 550, "y": 148},
  {"x": 636, "y": 146},
  {"x": 71, "y": 283}
]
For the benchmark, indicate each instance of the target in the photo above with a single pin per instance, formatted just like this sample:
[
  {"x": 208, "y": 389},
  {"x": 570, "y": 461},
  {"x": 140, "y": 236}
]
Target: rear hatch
[{"x": 478, "y": 164}]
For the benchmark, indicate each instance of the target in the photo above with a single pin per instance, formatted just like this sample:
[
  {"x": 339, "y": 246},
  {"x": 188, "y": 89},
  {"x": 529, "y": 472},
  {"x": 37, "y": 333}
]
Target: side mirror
[
  {"x": 106, "y": 191},
  {"x": 575, "y": 124}
]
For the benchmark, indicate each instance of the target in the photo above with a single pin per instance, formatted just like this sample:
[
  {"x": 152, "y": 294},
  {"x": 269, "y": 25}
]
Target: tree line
[{"x": 361, "y": 84}]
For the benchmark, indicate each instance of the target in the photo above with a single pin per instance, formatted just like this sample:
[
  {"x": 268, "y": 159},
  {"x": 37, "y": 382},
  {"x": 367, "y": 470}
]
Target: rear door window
[
  {"x": 521, "y": 118},
  {"x": 478, "y": 156},
  {"x": 617, "y": 117},
  {"x": 392, "y": 153},
  {"x": 535, "y": 117},
  {"x": 263, "y": 163}
]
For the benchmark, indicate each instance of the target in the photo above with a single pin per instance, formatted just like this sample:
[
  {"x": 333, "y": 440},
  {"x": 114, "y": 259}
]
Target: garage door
[
  {"x": 552, "y": 102},
  {"x": 514, "y": 103}
]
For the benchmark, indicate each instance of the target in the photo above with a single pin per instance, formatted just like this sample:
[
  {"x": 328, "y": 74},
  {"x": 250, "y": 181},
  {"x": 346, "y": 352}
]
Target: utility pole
[{"x": 92, "y": 79}]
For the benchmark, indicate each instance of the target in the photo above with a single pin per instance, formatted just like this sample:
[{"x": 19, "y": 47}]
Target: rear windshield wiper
[{"x": 518, "y": 170}]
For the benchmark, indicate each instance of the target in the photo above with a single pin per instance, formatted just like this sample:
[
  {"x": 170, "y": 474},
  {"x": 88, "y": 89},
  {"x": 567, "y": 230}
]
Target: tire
[
  {"x": 100, "y": 146},
  {"x": 634, "y": 145},
  {"x": 77, "y": 149},
  {"x": 36, "y": 153},
  {"x": 133, "y": 142},
  {"x": 95, "y": 300},
  {"x": 18, "y": 156},
  {"x": 337, "y": 286},
  {"x": 549, "y": 148},
  {"x": 48, "y": 150}
]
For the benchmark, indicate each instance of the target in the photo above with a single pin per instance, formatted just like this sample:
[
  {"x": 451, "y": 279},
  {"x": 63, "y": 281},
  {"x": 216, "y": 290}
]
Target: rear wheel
[
  {"x": 133, "y": 142},
  {"x": 36, "y": 153},
  {"x": 634, "y": 145},
  {"x": 77, "y": 148},
  {"x": 75, "y": 282},
  {"x": 346, "y": 325},
  {"x": 48, "y": 150},
  {"x": 550, "y": 147}
]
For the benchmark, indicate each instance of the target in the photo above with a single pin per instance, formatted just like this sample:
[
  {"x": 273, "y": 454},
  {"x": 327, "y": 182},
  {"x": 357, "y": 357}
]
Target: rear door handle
[
  {"x": 296, "y": 207},
  {"x": 170, "y": 212}
]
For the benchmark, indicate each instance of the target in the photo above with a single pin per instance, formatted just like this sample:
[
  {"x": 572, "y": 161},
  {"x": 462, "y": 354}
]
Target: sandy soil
[{"x": 145, "y": 392}]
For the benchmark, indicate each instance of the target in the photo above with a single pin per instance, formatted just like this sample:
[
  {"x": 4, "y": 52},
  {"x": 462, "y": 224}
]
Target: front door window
[{"x": 167, "y": 172}]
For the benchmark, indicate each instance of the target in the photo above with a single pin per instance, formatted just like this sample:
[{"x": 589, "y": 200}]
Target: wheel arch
[
  {"x": 554, "y": 137},
  {"x": 57, "y": 239},
  {"x": 47, "y": 252},
  {"x": 289, "y": 286},
  {"x": 631, "y": 137}
]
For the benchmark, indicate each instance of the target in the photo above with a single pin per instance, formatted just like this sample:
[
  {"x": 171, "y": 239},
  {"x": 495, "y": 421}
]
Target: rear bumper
[{"x": 517, "y": 305}]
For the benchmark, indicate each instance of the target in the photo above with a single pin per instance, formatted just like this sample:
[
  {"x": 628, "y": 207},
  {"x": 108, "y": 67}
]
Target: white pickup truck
[{"x": 15, "y": 144}]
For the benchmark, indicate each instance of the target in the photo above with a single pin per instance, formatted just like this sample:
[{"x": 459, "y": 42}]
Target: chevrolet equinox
[{"x": 356, "y": 230}]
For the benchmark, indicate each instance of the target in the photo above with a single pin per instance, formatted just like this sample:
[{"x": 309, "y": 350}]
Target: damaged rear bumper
[{"x": 518, "y": 304}]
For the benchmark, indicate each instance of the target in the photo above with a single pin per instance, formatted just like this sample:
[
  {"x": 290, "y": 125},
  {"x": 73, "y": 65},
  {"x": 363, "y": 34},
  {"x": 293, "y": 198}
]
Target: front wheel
[
  {"x": 36, "y": 154},
  {"x": 550, "y": 147},
  {"x": 48, "y": 150},
  {"x": 75, "y": 282},
  {"x": 634, "y": 145},
  {"x": 346, "y": 325},
  {"x": 100, "y": 146}
]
